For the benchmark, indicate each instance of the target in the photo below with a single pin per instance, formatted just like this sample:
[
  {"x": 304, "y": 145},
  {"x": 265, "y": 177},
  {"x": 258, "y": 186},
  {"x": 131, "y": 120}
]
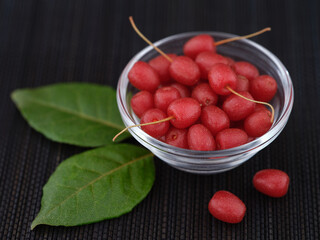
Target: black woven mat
[{"x": 43, "y": 42}]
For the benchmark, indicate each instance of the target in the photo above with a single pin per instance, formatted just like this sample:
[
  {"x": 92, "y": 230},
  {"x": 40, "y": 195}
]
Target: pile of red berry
[
  {"x": 204, "y": 101},
  {"x": 227, "y": 207}
]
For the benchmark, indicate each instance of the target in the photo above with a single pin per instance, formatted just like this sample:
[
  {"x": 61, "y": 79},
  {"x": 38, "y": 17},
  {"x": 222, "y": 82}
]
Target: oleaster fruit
[
  {"x": 271, "y": 182},
  {"x": 227, "y": 207}
]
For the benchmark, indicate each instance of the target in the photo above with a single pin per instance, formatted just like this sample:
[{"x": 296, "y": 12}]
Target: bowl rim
[{"x": 258, "y": 143}]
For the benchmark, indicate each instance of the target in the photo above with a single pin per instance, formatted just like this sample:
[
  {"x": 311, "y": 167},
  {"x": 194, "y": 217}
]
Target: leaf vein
[
  {"x": 78, "y": 114},
  {"x": 66, "y": 186},
  {"x": 87, "y": 169}
]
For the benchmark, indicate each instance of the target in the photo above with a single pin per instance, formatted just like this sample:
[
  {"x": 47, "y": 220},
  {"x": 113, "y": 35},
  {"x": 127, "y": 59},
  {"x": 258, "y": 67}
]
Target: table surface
[{"x": 45, "y": 42}]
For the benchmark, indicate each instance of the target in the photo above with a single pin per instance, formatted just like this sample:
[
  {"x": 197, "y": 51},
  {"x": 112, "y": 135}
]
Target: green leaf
[
  {"x": 81, "y": 114},
  {"x": 95, "y": 185}
]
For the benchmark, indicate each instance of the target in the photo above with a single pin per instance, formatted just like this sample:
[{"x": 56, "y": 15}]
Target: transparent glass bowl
[{"x": 210, "y": 162}]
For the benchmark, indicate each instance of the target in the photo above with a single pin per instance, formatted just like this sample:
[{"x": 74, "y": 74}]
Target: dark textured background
[{"x": 50, "y": 41}]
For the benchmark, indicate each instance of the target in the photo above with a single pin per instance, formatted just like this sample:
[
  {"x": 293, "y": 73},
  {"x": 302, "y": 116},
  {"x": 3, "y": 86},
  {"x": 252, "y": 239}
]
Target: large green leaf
[
  {"x": 98, "y": 184},
  {"x": 81, "y": 114}
]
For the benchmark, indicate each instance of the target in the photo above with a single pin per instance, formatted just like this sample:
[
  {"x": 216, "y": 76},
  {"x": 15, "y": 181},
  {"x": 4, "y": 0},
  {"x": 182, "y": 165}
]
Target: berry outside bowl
[{"x": 211, "y": 162}]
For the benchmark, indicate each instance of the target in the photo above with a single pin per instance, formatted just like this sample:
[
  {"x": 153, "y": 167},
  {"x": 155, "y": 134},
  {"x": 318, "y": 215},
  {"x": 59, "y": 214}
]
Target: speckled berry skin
[
  {"x": 198, "y": 44},
  {"x": 158, "y": 129},
  {"x": 184, "y": 70},
  {"x": 161, "y": 65},
  {"x": 221, "y": 76},
  {"x": 238, "y": 108},
  {"x": 227, "y": 207},
  {"x": 186, "y": 111},
  {"x": 215, "y": 119},
  {"x": 142, "y": 102},
  {"x": 263, "y": 88},
  {"x": 230, "y": 138},
  {"x": 144, "y": 77},
  {"x": 177, "y": 137},
  {"x": 200, "y": 138},
  {"x": 258, "y": 123},
  {"x": 271, "y": 182},
  {"x": 246, "y": 69}
]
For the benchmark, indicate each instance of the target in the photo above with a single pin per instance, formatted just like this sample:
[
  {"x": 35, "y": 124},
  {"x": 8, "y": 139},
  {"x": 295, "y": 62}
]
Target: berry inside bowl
[{"x": 210, "y": 162}]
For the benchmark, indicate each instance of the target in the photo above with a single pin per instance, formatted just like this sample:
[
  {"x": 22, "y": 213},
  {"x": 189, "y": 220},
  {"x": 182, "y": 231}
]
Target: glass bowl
[{"x": 210, "y": 162}]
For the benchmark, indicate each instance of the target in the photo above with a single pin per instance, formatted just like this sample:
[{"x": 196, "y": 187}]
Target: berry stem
[
  {"x": 255, "y": 101},
  {"x": 142, "y": 124},
  {"x": 242, "y": 37},
  {"x": 147, "y": 40}
]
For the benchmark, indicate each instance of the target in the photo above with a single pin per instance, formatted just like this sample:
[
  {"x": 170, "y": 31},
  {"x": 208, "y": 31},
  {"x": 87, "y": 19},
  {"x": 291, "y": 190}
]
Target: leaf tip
[
  {"x": 33, "y": 225},
  {"x": 13, "y": 95},
  {"x": 36, "y": 222}
]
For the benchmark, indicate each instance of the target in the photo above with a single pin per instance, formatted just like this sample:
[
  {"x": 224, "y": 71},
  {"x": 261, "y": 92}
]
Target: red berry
[
  {"x": 272, "y": 182},
  {"x": 238, "y": 108},
  {"x": 199, "y": 44},
  {"x": 177, "y": 137},
  {"x": 246, "y": 69},
  {"x": 161, "y": 65},
  {"x": 141, "y": 102},
  {"x": 184, "y": 70},
  {"x": 200, "y": 138},
  {"x": 184, "y": 91},
  {"x": 144, "y": 77},
  {"x": 164, "y": 96},
  {"x": 214, "y": 119},
  {"x": 242, "y": 84},
  {"x": 227, "y": 207},
  {"x": 220, "y": 76},
  {"x": 206, "y": 60},
  {"x": 204, "y": 94},
  {"x": 263, "y": 88},
  {"x": 185, "y": 111},
  {"x": 158, "y": 129},
  {"x": 230, "y": 138},
  {"x": 258, "y": 123}
]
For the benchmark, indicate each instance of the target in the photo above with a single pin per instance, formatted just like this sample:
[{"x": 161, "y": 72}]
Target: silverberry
[
  {"x": 158, "y": 129},
  {"x": 271, "y": 182},
  {"x": 227, "y": 207},
  {"x": 141, "y": 102},
  {"x": 221, "y": 76},
  {"x": 198, "y": 44},
  {"x": 246, "y": 69},
  {"x": 200, "y": 138},
  {"x": 144, "y": 77},
  {"x": 263, "y": 88},
  {"x": 230, "y": 138}
]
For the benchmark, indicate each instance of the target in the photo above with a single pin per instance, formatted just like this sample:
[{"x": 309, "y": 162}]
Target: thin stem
[
  {"x": 255, "y": 101},
  {"x": 142, "y": 124},
  {"x": 147, "y": 40},
  {"x": 242, "y": 37}
]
